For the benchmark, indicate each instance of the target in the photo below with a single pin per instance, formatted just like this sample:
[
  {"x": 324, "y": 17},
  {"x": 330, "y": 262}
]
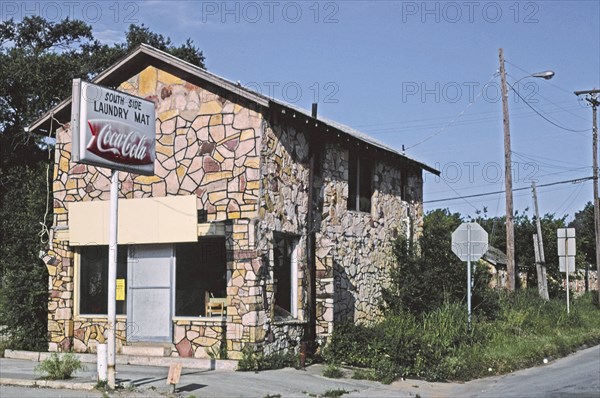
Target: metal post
[
  {"x": 510, "y": 229},
  {"x": 567, "y": 267},
  {"x": 469, "y": 275},
  {"x": 112, "y": 277}
]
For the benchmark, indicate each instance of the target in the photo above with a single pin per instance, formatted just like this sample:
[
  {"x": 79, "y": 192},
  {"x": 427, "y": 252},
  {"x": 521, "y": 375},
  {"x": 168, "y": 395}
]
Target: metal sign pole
[
  {"x": 112, "y": 276},
  {"x": 469, "y": 274},
  {"x": 567, "y": 266}
]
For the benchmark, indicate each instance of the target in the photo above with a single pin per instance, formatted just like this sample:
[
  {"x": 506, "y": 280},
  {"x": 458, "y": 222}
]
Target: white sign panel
[
  {"x": 561, "y": 264},
  {"x": 479, "y": 241},
  {"x": 112, "y": 129},
  {"x": 566, "y": 249}
]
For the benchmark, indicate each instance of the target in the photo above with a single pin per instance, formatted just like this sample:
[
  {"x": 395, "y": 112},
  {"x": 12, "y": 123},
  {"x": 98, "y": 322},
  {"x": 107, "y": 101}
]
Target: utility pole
[
  {"x": 592, "y": 98},
  {"x": 539, "y": 246},
  {"x": 510, "y": 228}
]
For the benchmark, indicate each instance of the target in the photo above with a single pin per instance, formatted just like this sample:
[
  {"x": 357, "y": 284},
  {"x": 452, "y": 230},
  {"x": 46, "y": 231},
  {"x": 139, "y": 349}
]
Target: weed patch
[
  {"x": 57, "y": 368},
  {"x": 437, "y": 345}
]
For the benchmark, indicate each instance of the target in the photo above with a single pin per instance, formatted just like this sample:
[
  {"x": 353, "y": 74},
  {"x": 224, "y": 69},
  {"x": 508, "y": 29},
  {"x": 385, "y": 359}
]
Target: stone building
[{"x": 263, "y": 225}]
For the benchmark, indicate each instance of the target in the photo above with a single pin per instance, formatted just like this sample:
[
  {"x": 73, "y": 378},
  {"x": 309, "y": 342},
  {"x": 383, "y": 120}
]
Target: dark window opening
[
  {"x": 360, "y": 184},
  {"x": 93, "y": 279},
  {"x": 284, "y": 275},
  {"x": 201, "y": 278}
]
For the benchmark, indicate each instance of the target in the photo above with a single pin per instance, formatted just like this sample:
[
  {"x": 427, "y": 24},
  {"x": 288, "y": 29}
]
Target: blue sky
[{"x": 406, "y": 73}]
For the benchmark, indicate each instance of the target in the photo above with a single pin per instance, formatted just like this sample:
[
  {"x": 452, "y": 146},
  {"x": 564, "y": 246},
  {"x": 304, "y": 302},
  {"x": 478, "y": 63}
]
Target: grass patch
[
  {"x": 333, "y": 372},
  {"x": 56, "y": 367},
  {"x": 253, "y": 361},
  {"x": 438, "y": 346},
  {"x": 335, "y": 393}
]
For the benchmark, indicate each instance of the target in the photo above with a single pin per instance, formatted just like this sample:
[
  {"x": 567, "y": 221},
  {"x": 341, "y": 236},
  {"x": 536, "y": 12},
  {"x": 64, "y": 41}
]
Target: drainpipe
[{"x": 310, "y": 334}]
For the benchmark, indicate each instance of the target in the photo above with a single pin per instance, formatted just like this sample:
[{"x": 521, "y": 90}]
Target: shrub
[
  {"x": 333, "y": 372},
  {"x": 256, "y": 361},
  {"x": 57, "y": 368}
]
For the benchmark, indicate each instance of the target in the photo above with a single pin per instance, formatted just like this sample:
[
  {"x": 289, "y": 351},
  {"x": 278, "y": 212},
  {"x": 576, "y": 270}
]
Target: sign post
[
  {"x": 115, "y": 130},
  {"x": 566, "y": 254},
  {"x": 469, "y": 242}
]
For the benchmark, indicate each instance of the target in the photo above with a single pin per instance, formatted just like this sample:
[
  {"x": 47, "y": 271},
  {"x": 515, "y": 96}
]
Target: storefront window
[
  {"x": 93, "y": 279},
  {"x": 201, "y": 278}
]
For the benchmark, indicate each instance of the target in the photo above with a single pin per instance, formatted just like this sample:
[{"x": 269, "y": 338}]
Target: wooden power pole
[
  {"x": 510, "y": 228},
  {"x": 592, "y": 98},
  {"x": 540, "y": 259}
]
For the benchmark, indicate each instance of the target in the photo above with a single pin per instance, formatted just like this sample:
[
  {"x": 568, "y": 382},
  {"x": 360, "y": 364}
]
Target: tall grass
[{"x": 438, "y": 345}]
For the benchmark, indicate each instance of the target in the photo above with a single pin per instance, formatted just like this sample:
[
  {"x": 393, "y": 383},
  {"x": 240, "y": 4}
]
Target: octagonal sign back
[{"x": 479, "y": 241}]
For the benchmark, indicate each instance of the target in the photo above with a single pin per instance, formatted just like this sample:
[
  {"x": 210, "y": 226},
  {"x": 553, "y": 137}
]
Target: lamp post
[{"x": 510, "y": 228}]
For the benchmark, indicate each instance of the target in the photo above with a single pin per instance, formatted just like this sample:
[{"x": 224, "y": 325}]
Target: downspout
[{"x": 311, "y": 333}]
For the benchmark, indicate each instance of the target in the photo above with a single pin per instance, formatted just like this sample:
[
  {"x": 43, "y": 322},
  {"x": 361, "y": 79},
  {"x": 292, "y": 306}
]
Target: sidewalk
[{"x": 150, "y": 381}]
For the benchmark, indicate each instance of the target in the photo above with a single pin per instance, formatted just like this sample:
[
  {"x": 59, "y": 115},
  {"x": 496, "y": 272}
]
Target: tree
[
  {"x": 430, "y": 274},
  {"x": 586, "y": 233},
  {"x": 38, "y": 60}
]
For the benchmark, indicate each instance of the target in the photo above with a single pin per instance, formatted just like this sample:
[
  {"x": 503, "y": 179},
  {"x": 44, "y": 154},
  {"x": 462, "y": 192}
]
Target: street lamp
[{"x": 510, "y": 228}]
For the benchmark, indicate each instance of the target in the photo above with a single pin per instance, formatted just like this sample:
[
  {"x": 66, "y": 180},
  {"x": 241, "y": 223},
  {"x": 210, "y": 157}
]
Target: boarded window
[
  {"x": 201, "y": 276},
  {"x": 93, "y": 279},
  {"x": 360, "y": 183}
]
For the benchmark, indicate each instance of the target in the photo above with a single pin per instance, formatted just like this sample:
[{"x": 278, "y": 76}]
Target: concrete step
[{"x": 147, "y": 350}]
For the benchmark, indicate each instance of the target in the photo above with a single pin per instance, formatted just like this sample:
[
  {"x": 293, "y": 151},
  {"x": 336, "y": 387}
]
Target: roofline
[{"x": 144, "y": 50}]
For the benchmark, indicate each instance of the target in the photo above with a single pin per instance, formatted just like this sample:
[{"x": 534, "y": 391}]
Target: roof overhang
[{"x": 144, "y": 55}]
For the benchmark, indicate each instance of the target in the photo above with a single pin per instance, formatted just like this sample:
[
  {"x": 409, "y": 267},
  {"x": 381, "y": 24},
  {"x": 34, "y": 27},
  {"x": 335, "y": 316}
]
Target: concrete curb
[
  {"x": 190, "y": 363},
  {"x": 47, "y": 384}
]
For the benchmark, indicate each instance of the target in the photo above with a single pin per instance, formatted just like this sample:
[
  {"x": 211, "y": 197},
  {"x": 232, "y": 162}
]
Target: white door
[{"x": 149, "y": 299}]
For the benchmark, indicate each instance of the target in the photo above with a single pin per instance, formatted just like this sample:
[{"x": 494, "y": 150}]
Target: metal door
[{"x": 149, "y": 299}]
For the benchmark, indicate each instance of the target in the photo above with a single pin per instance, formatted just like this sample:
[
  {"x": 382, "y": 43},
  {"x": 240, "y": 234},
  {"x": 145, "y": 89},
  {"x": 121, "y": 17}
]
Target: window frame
[
  {"x": 358, "y": 163},
  {"x": 77, "y": 314},
  {"x": 175, "y": 289},
  {"x": 292, "y": 243}
]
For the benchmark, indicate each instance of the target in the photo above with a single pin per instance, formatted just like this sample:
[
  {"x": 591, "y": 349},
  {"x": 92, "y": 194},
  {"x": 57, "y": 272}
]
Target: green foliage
[
  {"x": 429, "y": 273},
  {"x": 23, "y": 297},
  {"x": 257, "y": 361},
  {"x": 333, "y": 372},
  {"x": 437, "y": 345},
  {"x": 56, "y": 368},
  {"x": 586, "y": 235},
  {"x": 335, "y": 393},
  {"x": 525, "y": 228}
]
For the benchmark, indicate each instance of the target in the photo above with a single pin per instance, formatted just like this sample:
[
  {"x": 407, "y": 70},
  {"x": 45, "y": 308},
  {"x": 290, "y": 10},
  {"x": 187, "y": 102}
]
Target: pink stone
[
  {"x": 206, "y": 148},
  {"x": 245, "y": 147},
  {"x": 80, "y": 168},
  {"x": 232, "y": 144},
  {"x": 159, "y": 189},
  {"x": 211, "y": 165},
  {"x": 184, "y": 348},
  {"x": 242, "y": 183},
  {"x": 188, "y": 184},
  {"x": 217, "y": 133}
]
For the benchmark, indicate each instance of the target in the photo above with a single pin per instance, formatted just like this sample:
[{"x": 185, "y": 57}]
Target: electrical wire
[
  {"x": 545, "y": 118},
  {"x": 575, "y": 180},
  {"x": 455, "y": 118}
]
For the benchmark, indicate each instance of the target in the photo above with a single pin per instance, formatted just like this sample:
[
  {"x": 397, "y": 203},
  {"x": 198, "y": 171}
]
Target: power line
[
  {"x": 544, "y": 117},
  {"x": 576, "y": 180}
]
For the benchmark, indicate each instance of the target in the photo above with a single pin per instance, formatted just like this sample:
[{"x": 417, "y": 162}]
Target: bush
[
  {"x": 253, "y": 361},
  {"x": 57, "y": 368},
  {"x": 438, "y": 345},
  {"x": 333, "y": 372}
]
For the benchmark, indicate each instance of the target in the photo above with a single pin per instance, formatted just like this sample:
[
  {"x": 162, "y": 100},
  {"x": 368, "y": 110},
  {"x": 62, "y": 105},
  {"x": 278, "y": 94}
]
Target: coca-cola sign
[{"x": 112, "y": 129}]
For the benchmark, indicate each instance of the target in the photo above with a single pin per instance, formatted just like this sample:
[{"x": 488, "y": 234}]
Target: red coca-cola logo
[{"x": 116, "y": 142}]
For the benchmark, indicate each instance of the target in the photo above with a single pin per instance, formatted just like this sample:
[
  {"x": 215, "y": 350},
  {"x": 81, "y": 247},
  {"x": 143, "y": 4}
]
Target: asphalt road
[{"x": 576, "y": 376}]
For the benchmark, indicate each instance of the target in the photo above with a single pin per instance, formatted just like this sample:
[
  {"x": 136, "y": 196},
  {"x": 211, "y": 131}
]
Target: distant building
[{"x": 262, "y": 226}]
